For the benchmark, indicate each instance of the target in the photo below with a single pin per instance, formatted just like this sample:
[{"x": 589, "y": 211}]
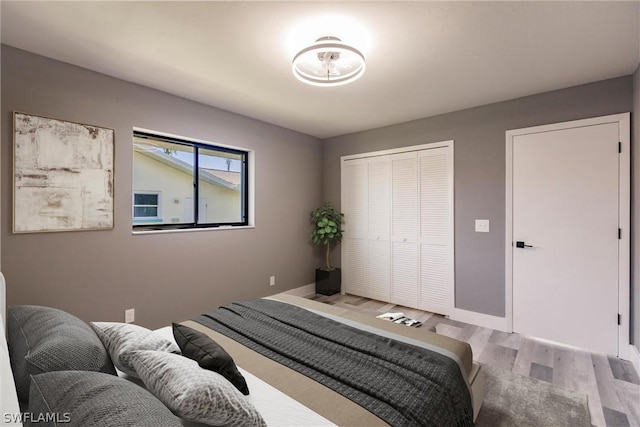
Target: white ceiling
[{"x": 423, "y": 58}]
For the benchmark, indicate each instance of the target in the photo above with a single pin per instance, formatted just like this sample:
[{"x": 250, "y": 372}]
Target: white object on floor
[{"x": 391, "y": 316}]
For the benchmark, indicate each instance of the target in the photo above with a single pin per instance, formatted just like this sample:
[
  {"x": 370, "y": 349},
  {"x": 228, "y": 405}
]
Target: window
[
  {"x": 146, "y": 207},
  {"x": 181, "y": 183}
]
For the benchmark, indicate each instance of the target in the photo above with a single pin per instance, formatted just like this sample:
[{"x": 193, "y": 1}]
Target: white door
[
  {"x": 404, "y": 229},
  {"x": 435, "y": 176},
  {"x": 566, "y": 214},
  {"x": 355, "y": 247},
  {"x": 202, "y": 210},
  {"x": 379, "y": 194},
  {"x": 366, "y": 205}
]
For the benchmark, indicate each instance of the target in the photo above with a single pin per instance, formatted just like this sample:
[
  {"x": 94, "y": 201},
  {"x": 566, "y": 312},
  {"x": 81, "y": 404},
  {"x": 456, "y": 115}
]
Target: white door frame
[{"x": 624, "y": 217}]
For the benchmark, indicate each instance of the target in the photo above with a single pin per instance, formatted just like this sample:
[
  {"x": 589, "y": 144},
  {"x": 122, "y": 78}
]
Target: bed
[
  {"x": 280, "y": 393},
  {"x": 8, "y": 397}
]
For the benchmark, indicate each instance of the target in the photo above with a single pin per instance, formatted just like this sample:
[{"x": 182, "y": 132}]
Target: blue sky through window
[{"x": 207, "y": 161}]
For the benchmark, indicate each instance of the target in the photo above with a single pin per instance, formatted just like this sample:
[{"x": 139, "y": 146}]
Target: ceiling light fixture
[{"x": 328, "y": 62}]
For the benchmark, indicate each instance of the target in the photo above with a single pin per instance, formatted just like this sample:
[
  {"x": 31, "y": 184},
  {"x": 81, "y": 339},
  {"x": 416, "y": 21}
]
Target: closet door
[
  {"x": 355, "y": 244},
  {"x": 404, "y": 229},
  {"x": 366, "y": 204},
  {"x": 398, "y": 241},
  {"x": 435, "y": 174},
  {"x": 379, "y": 217}
]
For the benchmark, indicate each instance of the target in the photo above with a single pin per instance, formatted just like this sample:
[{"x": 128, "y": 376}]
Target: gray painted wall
[
  {"x": 635, "y": 212},
  {"x": 98, "y": 274},
  {"x": 479, "y": 162}
]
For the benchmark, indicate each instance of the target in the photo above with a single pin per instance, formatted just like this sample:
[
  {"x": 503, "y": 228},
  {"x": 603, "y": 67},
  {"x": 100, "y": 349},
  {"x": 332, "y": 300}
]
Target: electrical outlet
[
  {"x": 130, "y": 315},
  {"x": 272, "y": 281}
]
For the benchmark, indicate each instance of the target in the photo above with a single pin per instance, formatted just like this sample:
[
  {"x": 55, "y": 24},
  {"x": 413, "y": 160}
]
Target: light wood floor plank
[
  {"x": 479, "y": 340},
  {"x": 506, "y": 339},
  {"x": 629, "y": 396},
  {"x": 543, "y": 354},
  {"x": 604, "y": 379},
  {"x": 568, "y": 359},
  {"x": 522, "y": 364},
  {"x": 467, "y": 332},
  {"x": 597, "y": 415},
  {"x": 448, "y": 330}
]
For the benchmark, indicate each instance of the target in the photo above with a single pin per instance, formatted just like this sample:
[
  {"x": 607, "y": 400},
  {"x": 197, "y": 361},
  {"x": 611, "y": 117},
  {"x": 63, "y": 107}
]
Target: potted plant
[{"x": 328, "y": 232}]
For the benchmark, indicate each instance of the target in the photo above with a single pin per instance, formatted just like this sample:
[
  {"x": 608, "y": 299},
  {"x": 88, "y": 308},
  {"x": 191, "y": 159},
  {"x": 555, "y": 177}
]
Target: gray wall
[
  {"x": 479, "y": 162},
  {"x": 98, "y": 274},
  {"x": 635, "y": 213}
]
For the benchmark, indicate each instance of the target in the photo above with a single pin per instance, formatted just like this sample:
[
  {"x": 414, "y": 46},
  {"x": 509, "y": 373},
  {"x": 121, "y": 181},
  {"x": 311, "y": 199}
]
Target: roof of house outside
[
  {"x": 206, "y": 175},
  {"x": 229, "y": 176}
]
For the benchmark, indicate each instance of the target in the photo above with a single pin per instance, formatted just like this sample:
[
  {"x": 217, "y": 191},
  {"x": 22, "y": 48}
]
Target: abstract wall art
[{"x": 62, "y": 174}]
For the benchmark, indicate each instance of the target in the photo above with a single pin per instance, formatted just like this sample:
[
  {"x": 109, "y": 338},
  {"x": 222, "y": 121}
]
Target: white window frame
[{"x": 144, "y": 219}]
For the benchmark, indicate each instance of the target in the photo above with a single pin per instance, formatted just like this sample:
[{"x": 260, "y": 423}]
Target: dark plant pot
[{"x": 328, "y": 282}]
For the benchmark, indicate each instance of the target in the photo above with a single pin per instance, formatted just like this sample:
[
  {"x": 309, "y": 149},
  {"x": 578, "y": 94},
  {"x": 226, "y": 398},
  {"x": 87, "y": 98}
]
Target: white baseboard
[
  {"x": 480, "y": 319},
  {"x": 634, "y": 357},
  {"x": 303, "y": 291}
]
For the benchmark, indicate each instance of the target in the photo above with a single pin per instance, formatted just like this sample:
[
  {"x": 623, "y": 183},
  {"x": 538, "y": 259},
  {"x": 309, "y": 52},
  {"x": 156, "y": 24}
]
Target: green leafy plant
[{"x": 328, "y": 229}]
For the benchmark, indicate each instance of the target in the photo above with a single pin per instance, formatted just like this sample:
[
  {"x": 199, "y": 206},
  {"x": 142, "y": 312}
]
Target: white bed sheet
[{"x": 277, "y": 408}]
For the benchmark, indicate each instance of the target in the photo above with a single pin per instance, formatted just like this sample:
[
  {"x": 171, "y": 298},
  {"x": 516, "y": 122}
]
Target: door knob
[{"x": 522, "y": 245}]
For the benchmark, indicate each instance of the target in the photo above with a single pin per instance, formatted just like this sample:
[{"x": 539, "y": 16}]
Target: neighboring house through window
[{"x": 171, "y": 173}]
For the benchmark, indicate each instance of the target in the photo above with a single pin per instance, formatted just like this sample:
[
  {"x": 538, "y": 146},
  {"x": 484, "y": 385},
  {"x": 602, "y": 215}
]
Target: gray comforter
[{"x": 402, "y": 384}]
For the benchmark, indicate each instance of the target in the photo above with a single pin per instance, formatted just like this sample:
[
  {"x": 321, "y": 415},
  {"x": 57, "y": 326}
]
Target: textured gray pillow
[
  {"x": 80, "y": 398},
  {"x": 193, "y": 393},
  {"x": 44, "y": 339},
  {"x": 122, "y": 339}
]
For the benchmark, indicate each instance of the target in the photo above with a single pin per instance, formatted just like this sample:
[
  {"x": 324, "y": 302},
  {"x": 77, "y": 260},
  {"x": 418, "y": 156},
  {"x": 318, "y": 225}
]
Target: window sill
[{"x": 189, "y": 230}]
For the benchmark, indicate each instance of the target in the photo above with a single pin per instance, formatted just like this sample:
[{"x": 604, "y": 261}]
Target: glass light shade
[{"x": 328, "y": 62}]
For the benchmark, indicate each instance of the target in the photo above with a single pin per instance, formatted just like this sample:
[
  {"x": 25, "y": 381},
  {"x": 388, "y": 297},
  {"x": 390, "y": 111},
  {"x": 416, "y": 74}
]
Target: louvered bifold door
[
  {"x": 355, "y": 243},
  {"x": 404, "y": 229},
  {"x": 379, "y": 217},
  {"x": 435, "y": 175}
]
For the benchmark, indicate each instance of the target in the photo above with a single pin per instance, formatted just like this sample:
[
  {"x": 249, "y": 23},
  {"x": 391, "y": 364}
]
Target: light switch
[{"x": 482, "y": 225}]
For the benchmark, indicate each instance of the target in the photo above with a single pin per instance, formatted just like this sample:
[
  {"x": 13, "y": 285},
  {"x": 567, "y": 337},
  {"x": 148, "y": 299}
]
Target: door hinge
[
  {"x": 619, "y": 233},
  {"x": 619, "y": 147},
  {"x": 619, "y": 319}
]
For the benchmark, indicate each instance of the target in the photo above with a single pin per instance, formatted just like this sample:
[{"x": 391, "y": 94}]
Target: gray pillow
[
  {"x": 122, "y": 339},
  {"x": 80, "y": 398},
  {"x": 44, "y": 339},
  {"x": 193, "y": 393}
]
